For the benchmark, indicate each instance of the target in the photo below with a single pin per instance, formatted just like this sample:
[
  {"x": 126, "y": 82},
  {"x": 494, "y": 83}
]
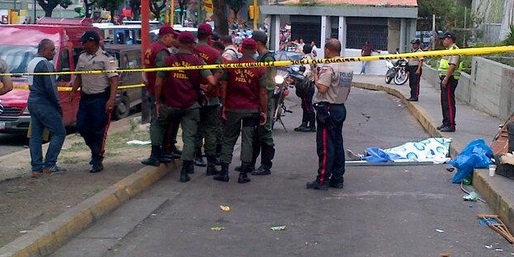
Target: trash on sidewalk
[
  {"x": 494, "y": 222},
  {"x": 217, "y": 228},
  {"x": 225, "y": 208},
  {"x": 439, "y": 230},
  {"x": 138, "y": 142},
  {"x": 278, "y": 228},
  {"x": 428, "y": 151},
  {"x": 475, "y": 155},
  {"x": 470, "y": 195}
]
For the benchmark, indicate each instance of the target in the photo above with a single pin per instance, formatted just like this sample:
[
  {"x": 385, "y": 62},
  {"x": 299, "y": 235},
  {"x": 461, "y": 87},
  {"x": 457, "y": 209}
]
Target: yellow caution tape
[
  {"x": 69, "y": 88},
  {"x": 428, "y": 54}
]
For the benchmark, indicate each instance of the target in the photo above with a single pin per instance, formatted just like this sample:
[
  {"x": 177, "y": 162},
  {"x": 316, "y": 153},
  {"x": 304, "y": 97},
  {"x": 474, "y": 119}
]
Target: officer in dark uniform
[
  {"x": 176, "y": 94},
  {"x": 414, "y": 68},
  {"x": 98, "y": 92},
  {"x": 333, "y": 86},
  {"x": 449, "y": 71},
  {"x": 263, "y": 141},
  {"x": 245, "y": 101},
  {"x": 154, "y": 57},
  {"x": 209, "y": 113}
]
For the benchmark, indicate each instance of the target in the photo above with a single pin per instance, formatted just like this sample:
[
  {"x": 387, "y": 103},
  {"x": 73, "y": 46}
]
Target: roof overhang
[{"x": 342, "y": 11}]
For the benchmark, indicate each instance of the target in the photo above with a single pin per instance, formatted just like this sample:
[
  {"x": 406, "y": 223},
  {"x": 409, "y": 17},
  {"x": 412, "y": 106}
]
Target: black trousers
[
  {"x": 448, "y": 102},
  {"x": 414, "y": 80}
]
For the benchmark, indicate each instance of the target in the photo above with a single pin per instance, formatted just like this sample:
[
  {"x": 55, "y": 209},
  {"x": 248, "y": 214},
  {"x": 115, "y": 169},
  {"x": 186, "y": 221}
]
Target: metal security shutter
[
  {"x": 306, "y": 27},
  {"x": 361, "y": 30}
]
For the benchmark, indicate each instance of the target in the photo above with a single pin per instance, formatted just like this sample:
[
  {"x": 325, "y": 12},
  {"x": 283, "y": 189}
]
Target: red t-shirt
[{"x": 243, "y": 86}]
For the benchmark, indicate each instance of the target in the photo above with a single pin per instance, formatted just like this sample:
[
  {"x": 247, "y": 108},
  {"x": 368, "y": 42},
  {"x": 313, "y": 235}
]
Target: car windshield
[{"x": 17, "y": 57}]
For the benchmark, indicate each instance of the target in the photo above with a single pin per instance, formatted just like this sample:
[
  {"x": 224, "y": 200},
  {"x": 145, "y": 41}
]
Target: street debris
[
  {"x": 450, "y": 169},
  {"x": 498, "y": 250},
  {"x": 138, "y": 142},
  {"x": 439, "y": 230},
  {"x": 225, "y": 207},
  {"x": 278, "y": 228},
  {"x": 217, "y": 228},
  {"x": 489, "y": 246},
  {"x": 494, "y": 222},
  {"x": 472, "y": 196}
]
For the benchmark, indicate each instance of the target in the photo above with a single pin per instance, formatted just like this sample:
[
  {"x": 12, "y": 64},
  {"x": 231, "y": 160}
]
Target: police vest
[
  {"x": 150, "y": 56},
  {"x": 444, "y": 65}
]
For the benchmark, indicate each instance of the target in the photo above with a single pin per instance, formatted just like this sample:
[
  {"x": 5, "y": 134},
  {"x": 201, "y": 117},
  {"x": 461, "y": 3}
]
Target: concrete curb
[
  {"x": 481, "y": 180},
  {"x": 47, "y": 238}
]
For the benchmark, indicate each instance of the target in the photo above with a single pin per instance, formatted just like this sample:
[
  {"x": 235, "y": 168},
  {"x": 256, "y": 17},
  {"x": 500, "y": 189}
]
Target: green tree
[
  {"x": 111, "y": 6},
  {"x": 220, "y": 15},
  {"x": 236, "y": 6},
  {"x": 156, "y": 7},
  {"x": 49, "y": 5}
]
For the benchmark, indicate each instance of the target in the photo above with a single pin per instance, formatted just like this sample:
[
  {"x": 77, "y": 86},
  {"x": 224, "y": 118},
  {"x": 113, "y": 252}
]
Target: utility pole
[{"x": 145, "y": 43}]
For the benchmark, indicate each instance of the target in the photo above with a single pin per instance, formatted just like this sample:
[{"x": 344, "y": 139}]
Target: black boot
[
  {"x": 175, "y": 151},
  {"x": 186, "y": 166},
  {"x": 199, "y": 158},
  {"x": 211, "y": 165},
  {"x": 223, "y": 174},
  {"x": 218, "y": 154},
  {"x": 154, "y": 159},
  {"x": 316, "y": 185},
  {"x": 243, "y": 175},
  {"x": 303, "y": 126}
]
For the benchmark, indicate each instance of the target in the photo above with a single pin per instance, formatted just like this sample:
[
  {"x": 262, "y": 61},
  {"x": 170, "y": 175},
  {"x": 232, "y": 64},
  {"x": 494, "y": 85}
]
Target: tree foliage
[
  {"x": 156, "y": 7},
  {"x": 449, "y": 14},
  {"x": 111, "y": 6},
  {"x": 49, "y": 5},
  {"x": 236, "y": 6}
]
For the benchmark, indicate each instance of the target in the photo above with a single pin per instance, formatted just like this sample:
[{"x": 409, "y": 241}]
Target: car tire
[{"x": 122, "y": 109}]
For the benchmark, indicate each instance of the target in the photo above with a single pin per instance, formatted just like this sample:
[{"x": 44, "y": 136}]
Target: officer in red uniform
[
  {"x": 209, "y": 126},
  {"x": 176, "y": 94},
  {"x": 154, "y": 57},
  {"x": 245, "y": 101}
]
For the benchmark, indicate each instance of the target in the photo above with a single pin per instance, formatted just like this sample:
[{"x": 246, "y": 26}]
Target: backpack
[{"x": 303, "y": 87}]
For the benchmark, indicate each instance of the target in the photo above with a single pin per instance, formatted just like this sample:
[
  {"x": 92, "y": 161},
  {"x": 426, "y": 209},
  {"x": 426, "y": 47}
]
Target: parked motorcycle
[
  {"x": 396, "y": 72},
  {"x": 279, "y": 95}
]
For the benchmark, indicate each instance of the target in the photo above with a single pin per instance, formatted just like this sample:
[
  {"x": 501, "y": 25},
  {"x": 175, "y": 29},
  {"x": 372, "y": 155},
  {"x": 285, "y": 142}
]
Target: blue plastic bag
[{"x": 475, "y": 155}]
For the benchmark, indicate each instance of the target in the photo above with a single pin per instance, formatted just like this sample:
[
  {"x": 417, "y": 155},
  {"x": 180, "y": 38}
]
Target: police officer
[
  {"x": 154, "y": 57},
  {"x": 209, "y": 126},
  {"x": 333, "y": 84},
  {"x": 449, "y": 72},
  {"x": 98, "y": 92},
  {"x": 414, "y": 68},
  {"x": 176, "y": 94},
  {"x": 263, "y": 141},
  {"x": 244, "y": 95}
]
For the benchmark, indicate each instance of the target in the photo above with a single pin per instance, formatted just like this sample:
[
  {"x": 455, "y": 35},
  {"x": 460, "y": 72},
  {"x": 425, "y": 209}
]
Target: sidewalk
[{"x": 497, "y": 191}]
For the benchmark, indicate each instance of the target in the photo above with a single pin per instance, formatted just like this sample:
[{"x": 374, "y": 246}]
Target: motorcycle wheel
[
  {"x": 389, "y": 76},
  {"x": 401, "y": 77}
]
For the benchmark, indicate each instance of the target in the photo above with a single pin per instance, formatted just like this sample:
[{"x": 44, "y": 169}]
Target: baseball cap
[
  {"x": 249, "y": 44},
  {"x": 448, "y": 35},
  {"x": 167, "y": 30},
  {"x": 205, "y": 29},
  {"x": 90, "y": 35},
  {"x": 260, "y": 36},
  {"x": 415, "y": 41},
  {"x": 186, "y": 37}
]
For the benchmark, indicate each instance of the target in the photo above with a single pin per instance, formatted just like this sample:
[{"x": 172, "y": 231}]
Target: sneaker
[
  {"x": 308, "y": 129},
  {"x": 300, "y": 128},
  {"x": 54, "y": 169},
  {"x": 316, "y": 185},
  {"x": 447, "y": 129},
  {"x": 36, "y": 174}
]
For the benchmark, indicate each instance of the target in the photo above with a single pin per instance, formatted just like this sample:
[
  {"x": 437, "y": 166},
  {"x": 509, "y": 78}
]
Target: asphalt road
[
  {"x": 382, "y": 211},
  {"x": 10, "y": 143}
]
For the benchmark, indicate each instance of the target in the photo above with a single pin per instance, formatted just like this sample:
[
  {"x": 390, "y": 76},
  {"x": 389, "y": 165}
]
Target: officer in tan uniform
[{"x": 98, "y": 92}]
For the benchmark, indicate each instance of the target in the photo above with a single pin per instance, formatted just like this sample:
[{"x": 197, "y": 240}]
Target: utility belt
[
  {"x": 451, "y": 77},
  {"x": 323, "y": 110}
]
